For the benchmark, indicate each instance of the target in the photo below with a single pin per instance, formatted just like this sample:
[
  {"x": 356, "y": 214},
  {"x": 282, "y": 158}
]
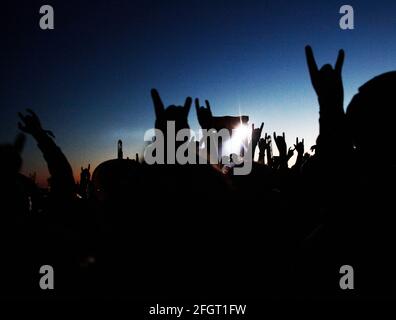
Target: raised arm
[
  {"x": 264, "y": 145},
  {"x": 256, "y": 135},
  {"x": 299, "y": 147},
  {"x": 62, "y": 180},
  {"x": 327, "y": 83}
]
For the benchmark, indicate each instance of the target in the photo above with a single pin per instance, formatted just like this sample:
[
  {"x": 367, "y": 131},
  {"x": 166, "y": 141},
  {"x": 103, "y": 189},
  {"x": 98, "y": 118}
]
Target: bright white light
[
  {"x": 241, "y": 133},
  {"x": 240, "y": 136}
]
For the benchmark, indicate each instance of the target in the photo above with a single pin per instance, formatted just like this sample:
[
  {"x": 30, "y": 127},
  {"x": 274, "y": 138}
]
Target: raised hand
[
  {"x": 179, "y": 114},
  {"x": 62, "y": 180},
  {"x": 208, "y": 121},
  {"x": 280, "y": 142},
  {"x": 263, "y": 143},
  {"x": 299, "y": 147},
  {"x": 31, "y": 124},
  {"x": 256, "y": 134},
  {"x": 327, "y": 81},
  {"x": 204, "y": 115}
]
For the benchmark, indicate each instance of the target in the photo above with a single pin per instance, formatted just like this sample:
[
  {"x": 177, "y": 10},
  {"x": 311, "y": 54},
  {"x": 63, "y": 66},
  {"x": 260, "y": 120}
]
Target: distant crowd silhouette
[{"x": 143, "y": 231}]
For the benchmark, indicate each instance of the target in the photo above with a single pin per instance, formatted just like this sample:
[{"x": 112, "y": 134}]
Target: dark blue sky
[{"x": 90, "y": 78}]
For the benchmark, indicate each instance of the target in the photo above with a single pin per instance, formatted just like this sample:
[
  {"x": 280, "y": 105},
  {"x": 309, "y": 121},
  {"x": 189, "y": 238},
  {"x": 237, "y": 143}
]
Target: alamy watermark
[{"x": 185, "y": 147}]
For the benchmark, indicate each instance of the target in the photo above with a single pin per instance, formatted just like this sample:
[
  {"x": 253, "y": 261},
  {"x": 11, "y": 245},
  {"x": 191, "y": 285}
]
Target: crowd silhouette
[{"x": 135, "y": 230}]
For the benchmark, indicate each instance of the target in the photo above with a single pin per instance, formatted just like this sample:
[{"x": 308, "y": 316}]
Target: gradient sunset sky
[{"x": 89, "y": 80}]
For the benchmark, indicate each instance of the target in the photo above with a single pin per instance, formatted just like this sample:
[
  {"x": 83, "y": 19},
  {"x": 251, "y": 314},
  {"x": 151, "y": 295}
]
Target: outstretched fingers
[
  {"x": 197, "y": 106},
  {"x": 312, "y": 66},
  {"x": 158, "y": 104},
  {"x": 340, "y": 61},
  {"x": 187, "y": 105},
  {"x": 207, "y": 105},
  {"x": 33, "y": 114},
  {"x": 261, "y": 127}
]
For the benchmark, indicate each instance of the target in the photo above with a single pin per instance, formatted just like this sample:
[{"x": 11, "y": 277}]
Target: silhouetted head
[
  {"x": 116, "y": 181},
  {"x": 10, "y": 156},
  {"x": 370, "y": 116}
]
